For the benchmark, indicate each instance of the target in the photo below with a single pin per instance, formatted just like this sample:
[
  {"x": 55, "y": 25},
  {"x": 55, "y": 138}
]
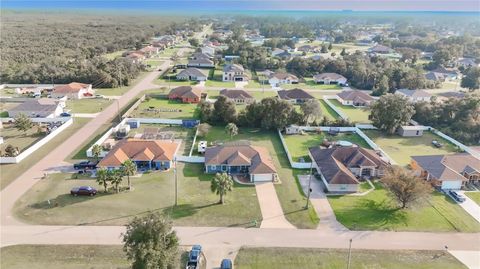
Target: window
[{"x": 213, "y": 167}]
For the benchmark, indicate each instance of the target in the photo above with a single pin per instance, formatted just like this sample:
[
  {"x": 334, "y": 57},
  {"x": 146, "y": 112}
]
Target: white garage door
[
  {"x": 451, "y": 185},
  {"x": 262, "y": 177}
]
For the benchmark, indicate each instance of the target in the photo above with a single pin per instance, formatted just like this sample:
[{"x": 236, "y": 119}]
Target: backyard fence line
[
  {"x": 293, "y": 164},
  {"x": 455, "y": 142},
  {"x": 134, "y": 106},
  {"x": 193, "y": 143},
  {"x": 40, "y": 120},
  {"x": 373, "y": 145},
  {"x": 191, "y": 159},
  {"x": 37, "y": 145},
  {"x": 332, "y": 106}
]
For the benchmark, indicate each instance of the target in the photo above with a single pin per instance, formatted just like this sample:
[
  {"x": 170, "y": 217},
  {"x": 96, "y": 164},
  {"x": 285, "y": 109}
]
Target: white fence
[
  {"x": 373, "y": 145},
  {"x": 332, "y": 106},
  {"x": 456, "y": 143},
  {"x": 40, "y": 120},
  {"x": 193, "y": 143},
  {"x": 293, "y": 164},
  {"x": 191, "y": 159},
  {"x": 40, "y": 143}
]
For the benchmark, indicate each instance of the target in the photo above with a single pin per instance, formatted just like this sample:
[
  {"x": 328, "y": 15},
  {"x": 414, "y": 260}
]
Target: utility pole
[
  {"x": 349, "y": 254},
  {"x": 309, "y": 190},
  {"x": 176, "y": 181}
]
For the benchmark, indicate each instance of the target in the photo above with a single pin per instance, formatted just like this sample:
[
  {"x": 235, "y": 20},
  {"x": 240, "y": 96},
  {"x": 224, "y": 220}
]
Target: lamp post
[
  {"x": 176, "y": 182},
  {"x": 309, "y": 190},
  {"x": 349, "y": 254}
]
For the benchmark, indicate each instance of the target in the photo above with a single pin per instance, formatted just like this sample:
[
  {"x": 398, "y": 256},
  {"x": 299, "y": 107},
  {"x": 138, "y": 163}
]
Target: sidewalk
[
  {"x": 470, "y": 206},
  {"x": 272, "y": 211}
]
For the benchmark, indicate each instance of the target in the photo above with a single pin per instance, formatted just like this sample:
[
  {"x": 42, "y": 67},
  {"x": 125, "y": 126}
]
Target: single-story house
[
  {"x": 380, "y": 49},
  {"x": 340, "y": 168},
  {"x": 136, "y": 57},
  {"x": 354, "y": 98},
  {"x": 278, "y": 78},
  {"x": 449, "y": 73},
  {"x": 467, "y": 62},
  {"x": 192, "y": 73},
  {"x": 186, "y": 94},
  {"x": 435, "y": 76},
  {"x": 447, "y": 171},
  {"x": 147, "y": 154},
  {"x": 36, "y": 91},
  {"x": 73, "y": 90},
  {"x": 200, "y": 55},
  {"x": 41, "y": 108},
  {"x": 330, "y": 78},
  {"x": 241, "y": 160},
  {"x": 409, "y": 131},
  {"x": 415, "y": 95},
  {"x": 295, "y": 96},
  {"x": 238, "y": 96},
  {"x": 201, "y": 63},
  {"x": 234, "y": 72}
]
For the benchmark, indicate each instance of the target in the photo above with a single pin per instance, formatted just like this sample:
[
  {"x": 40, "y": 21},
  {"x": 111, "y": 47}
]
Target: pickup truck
[{"x": 85, "y": 165}]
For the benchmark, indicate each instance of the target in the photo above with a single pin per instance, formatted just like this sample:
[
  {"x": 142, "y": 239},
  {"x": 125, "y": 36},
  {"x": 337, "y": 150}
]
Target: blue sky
[{"x": 238, "y": 5}]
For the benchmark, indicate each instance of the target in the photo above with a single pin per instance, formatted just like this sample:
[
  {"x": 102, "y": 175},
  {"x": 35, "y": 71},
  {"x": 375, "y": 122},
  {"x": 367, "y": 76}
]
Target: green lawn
[
  {"x": 69, "y": 257},
  {"x": 259, "y": 95},
  {"x": 253, "y": 84},
  {"x": 197, "y": 205},
  {"x": 310, "y": 84},
  {"x": 402, "y": 148},
  {"x": 19, "y": 139},
  {"x": 90, "y": 105},
  {"x": 376, "y": 211},
  {"x": 298, "y": 144},
  {"x": 174, "y": 82},
  {"x": 215, "y": 79},
  {"x": 354, "y": 114},
  {"x": 120, "y": 90},
  {"x": 475, "y": 196},
  {"x": 164, "y": 108},
  {"x": 327, "y": 111},
  {"x": 9, "y": 172},
  {"x": 289, "y": 191},
  {"x": 154, "y": 62},
  {"x": 113, "y": 55},
  {"x": 286, "y": 258}
]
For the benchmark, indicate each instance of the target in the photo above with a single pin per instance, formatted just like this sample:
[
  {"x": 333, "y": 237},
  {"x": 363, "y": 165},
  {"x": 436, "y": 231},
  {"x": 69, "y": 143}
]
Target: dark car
[
  {"x": 65, "y": 114},
  {"x": 457, "y": 197},
  {"x": 85, "y": 165},
  {"x": 226, "y": 264},
  {"x": 83, "y": 190},
  {"x": 437, "y": 144}
]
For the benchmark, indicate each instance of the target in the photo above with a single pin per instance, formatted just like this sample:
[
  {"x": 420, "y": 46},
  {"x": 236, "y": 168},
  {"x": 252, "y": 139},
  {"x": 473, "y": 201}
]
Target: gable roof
[
  {"x": 197, "y": 61},
  {"x": 355, "y": 96},
  {"x": 334, "y": 163},
  {"x": 414, "y": 93},
  {"x": 192, "y": 71},
  {"x": 139, "y": 150},
  {"x": 233, "y": 68},
  {"x": 42, "y": 107},
  {"x": 294, "y": 94},
  {"x": 236, "y": 94},
  {"x": 186, "y": 92},
  {"x": 380, "y": 48},
  {"x": 443, "y": 70},
  {"x": 257, "y": 157},
  {"x": 434, "y": 76},
  {"x": 283, "y": 75},
  {"x": 448, "y": 167},
  {"x": 330, "y": 76},
  {"x": 70, "y": 88}
]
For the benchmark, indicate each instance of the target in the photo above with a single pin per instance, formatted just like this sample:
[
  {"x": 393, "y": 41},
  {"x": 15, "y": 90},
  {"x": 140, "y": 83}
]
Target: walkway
[
  {"x": 271, "y": 208},
  {"x": 319, "y": 201},
  {"x": 470, "y": 206},
  {"x": 25, "y": 181}
]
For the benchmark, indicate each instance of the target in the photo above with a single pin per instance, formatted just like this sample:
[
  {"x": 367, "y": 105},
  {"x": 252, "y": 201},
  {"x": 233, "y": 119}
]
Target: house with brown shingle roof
[
  {"x": 341, "y": 168},
  {"x": 146, "y": 154},
  {"x": 241, "y": 160},
  {"x": 38, "y": 107},
  {"x": 238, "y": 96},
  {"x": 73, "y": 90},
  {"x": 278, "y": 78},
  {"x": 295, "y": 96},
  {"x": 354, "y": 98},
  {"x": 447, "y": 171},
  {"x": 330, "y": 78},
  {"x": 186, "y": 94}
]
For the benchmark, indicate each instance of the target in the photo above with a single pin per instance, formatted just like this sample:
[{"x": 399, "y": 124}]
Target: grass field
[
  {"x": 475, "y": 196},
  {"x": 165, "y": 108},
  {"x": 310, "y": 84},
  {"x": 215, "y": 79},
  {"x": 152, "y": 192},
  {"x": 120, "y": 90},
  {"x": 298, "y": 144},
  {"x": 402, "y": 148},
  {"x": 289, "y": 192},
  {"x": 69, "y": 257},
  {"x": 19, "y": 139},
  {"x": 91, "y": 105},
  {"x": 259, "y": 95},
  {"x": 354, "y": 114},
  {"x": 327, "y": 111},
  {"x": 9, "y": 172},
  {"x": 286, "y": 258},
  {"x": 376, "y": 211}
]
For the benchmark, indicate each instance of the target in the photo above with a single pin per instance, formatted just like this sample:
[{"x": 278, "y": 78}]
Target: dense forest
[{"x": 65, "y": 47}]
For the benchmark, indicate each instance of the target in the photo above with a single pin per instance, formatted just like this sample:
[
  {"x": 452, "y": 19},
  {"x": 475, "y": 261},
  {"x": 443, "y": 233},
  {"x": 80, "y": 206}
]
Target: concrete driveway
[
  {"x": 272, "y": 212},
  {"x": 470, "y": 206}
]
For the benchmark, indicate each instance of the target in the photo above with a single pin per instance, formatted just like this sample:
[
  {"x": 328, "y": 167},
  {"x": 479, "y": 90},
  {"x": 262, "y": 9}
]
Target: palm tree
[
  {"x": 221, "y": 184},
  {"x": 96, "y": 151},
  {"x": 129, "y": 168},
  {"x": 231, "y": 129},
  {"x": 103, "y": 178},
  {"x": 116, "y": 177}
]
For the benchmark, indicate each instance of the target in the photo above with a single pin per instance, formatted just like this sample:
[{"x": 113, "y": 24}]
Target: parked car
[
  {"x": 83, "y": 190},
  {"x": 194, "y": 257},
  {"x": 65, "y": 114},
  {"x": 85, "y": 165},
  {"x": 457, "y": 197},
  {"x": 226, "y": 264},
  {"x": 437, "y": 144}
]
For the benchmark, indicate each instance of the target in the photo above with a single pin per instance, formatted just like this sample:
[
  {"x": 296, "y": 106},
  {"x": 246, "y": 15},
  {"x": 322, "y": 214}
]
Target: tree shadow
[
  {"x": 64, "y": 200},
  {"x": 184, "y": 210}
]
